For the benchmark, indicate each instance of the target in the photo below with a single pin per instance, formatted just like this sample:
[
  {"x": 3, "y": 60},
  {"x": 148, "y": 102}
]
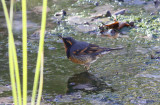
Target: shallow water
[{"x": 127, "y": 76}]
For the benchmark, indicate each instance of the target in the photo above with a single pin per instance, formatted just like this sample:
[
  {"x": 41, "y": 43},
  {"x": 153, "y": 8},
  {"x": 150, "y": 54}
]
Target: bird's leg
[{"x": 87, "y": 66}]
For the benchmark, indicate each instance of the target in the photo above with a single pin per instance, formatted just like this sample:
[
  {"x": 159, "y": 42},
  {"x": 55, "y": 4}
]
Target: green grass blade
[
  {"x": 41, "y": 80},
  {"x": 18, "y": 85},
  {"x": 24, "y": 40},
  {"x": 10, "y": 44},
  {"x": 41, "y": 43}
]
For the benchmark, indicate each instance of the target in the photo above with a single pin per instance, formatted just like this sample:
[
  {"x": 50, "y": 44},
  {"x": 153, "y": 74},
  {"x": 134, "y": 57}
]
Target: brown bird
[{"x": 82, "y": 52}]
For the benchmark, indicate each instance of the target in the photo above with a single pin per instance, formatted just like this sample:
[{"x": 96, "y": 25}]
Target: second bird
[{"x": 82, "y": 52}]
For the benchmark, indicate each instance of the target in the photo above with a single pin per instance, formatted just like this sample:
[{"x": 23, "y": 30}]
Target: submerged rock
[
  {"x": 82, "y": 24},
  {"x": 102, "y": 10},
  {"x": 120, "y": 12},
  {"x": 6, "y": 101},
  {"x": 142, "y": 50},
  {"x": 5, "y": 88},
  {"x": 86, "y": 28},
  {"x": 38, "y": 9},
  {"x": 134, "y": 2},
  {"x": 149, "y": 75},
  {"x": 78, "y": 20},
  {"x": 156, "y": 3}
]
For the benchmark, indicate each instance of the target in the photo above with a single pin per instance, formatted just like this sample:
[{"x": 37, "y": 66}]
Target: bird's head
[{"x": 68, "y": 41}]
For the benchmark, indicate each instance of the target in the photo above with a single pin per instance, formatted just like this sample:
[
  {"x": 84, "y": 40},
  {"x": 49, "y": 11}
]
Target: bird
[{"x": 84, "y": 53}]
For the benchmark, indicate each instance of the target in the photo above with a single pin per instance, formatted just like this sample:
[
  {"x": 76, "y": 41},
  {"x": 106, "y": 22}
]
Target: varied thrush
[{"x": 82, "y": 52}]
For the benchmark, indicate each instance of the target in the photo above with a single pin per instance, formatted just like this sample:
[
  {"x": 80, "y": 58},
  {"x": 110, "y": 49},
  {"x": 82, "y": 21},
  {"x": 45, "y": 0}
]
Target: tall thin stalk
[
  {"x": 15, "y": 61},
  {"x": 41, "y": 80},
  {"x": 41, "y": 43},
  {"x": 24, "y": 40},
  {"x": 10, "y": 48}
]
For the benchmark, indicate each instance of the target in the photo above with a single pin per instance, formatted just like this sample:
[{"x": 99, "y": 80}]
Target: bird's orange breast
[{"x": 80, "y": 59}]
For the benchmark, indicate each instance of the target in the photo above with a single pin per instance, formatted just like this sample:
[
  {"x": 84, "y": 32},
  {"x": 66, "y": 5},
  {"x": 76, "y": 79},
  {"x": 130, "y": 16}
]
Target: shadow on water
[
  {"x": 80, "y": 84},
  {"x": 86, "y": 82}
]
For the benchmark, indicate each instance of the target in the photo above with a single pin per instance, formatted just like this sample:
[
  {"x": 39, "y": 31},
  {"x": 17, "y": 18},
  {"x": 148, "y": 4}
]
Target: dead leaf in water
[{"x": 117, "y": 25}]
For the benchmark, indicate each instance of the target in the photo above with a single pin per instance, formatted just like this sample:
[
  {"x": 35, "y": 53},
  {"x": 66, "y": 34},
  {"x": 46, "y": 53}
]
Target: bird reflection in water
[{"x": 86, "y": 82}]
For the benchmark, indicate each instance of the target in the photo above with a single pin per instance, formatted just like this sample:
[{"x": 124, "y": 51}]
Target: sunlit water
[{"x": 127, "y": 76}]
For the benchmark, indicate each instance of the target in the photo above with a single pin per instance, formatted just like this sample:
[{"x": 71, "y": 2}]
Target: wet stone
[
  {"x": 6, "y": 101},
  {"x": 86, "y": 28},
  {"x": 76, "y": 20},
  {"x": 18, "y": 25},
  {"x": 102, "y": 10},
  {"x": 5, "y": 88},
  {"x": 149, "y": 7},
  {"x": 38, "y": 9},
  {"x": 142, "y": 50},
  {"x": 18, "y": 43},
  {"x": 120, "y": 12},
  {"x": 51, "y": 48},
  {"x": 156, "y": 3},
  {"x": 82, "y": 24},
  {"x": 134, "y": 2},
  {"x": 156, "y": 48}
]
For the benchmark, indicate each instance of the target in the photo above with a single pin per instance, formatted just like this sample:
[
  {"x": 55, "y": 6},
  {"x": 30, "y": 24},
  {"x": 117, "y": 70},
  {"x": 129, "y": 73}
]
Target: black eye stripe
[{"x": 69, "y": 42}]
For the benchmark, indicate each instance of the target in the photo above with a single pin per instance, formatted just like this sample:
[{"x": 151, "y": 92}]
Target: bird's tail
[
  {"x": 108, "y": 50},
  {"x": 111, "y": 49}
]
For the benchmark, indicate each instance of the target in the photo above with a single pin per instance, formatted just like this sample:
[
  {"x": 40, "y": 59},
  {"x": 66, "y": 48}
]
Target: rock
[
  {"x": 82, "y": 24},
  {"x": 75, "y": 20},
  {"x": 62, "y": 13},
  {"x": 18, "y": 25},
  {"x": 156, "y": 48},
  {"x": 149, "y": 75},
  {"x": 38, "y": 9},
  {"x": 5, "y": 88},
  {"x": 51, "y": 48},
  {"x": 134, "y": 2},
  {"x": 18, "y": 43},
  {"x": 142, "y": 50},
  {"x": 120, "y": 12},
  {"x": 156, "y": 3},
  {"x": 6, "y": 101},
  {"x": 86, "y": 28},
  {"x": 102, "y": 10},
  {"x": 151, "y": 8},
  {"x": 96, "y": 3},
  {"x": 55, "y": 19},
  {"x": 108, "y": 14}
]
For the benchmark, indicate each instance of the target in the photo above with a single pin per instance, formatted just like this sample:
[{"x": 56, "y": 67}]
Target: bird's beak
[{"x": 60, "y": 36}]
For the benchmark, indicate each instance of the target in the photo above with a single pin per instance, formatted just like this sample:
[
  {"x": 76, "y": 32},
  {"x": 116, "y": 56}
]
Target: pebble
[
  {"x": 52, "y": 48},
  {"x": 120, "y": 12}
]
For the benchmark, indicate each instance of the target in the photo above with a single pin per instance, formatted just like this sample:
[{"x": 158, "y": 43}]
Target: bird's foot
[{"x": 87, "y": 66}]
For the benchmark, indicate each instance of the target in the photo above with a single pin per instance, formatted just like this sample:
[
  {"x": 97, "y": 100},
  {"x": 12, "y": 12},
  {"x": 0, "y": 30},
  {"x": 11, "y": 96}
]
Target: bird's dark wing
[{"x": 90, "y": 49}]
